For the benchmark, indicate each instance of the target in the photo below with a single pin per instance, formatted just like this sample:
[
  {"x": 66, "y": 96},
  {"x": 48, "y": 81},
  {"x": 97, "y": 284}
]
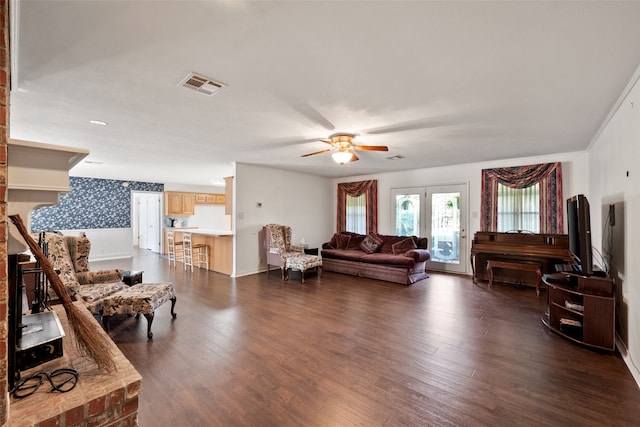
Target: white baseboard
[{"x": 628, "y": 360}]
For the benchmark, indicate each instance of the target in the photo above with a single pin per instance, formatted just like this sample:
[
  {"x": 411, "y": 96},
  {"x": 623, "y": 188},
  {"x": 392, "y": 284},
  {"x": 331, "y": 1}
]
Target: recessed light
[{"x": 98, "y": 122}]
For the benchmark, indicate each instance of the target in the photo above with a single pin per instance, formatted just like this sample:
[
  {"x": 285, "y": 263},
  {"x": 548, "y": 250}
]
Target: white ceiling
[{"x": 440, "y": 83}]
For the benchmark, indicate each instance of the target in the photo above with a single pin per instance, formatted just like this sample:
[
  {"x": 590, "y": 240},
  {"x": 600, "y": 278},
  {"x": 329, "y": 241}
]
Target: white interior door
[
  {"x": 147, "y": 230},
  {"x": 446, "y": 218}
]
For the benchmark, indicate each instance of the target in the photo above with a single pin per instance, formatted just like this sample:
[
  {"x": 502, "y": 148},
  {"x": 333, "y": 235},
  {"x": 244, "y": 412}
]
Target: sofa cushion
[
  {"x": 403, "y": 246},
  {"x": 349, "y": 254},
  {"x": 371, "y": 243},
  {"x": 91, "y": 293},
  {"x": 58, "y": 254},
  {"x": 388, "y": 259},
  {"x": 342, "y": 241},
  {"x": 79, "y": 249},
  {"x": 333, "y": 243},
  {"x": 102, "y": 276},
  {"x": 389, "y": 241},
  {"x": 355, "y": 241}
]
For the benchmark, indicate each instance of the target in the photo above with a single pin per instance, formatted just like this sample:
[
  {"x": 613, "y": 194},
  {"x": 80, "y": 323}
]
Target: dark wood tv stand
[{"x": 582, "y": 309}]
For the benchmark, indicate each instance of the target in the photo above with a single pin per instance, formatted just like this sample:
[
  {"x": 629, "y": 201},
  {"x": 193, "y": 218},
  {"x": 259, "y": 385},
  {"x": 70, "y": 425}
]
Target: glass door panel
[
  {"x": 407, "y": 216},
  {"x": 446, "y": 219}
]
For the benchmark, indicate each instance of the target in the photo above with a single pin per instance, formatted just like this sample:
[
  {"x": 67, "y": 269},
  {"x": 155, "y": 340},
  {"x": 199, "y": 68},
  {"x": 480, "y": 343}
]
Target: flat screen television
[{"x": 579, "y": 231}]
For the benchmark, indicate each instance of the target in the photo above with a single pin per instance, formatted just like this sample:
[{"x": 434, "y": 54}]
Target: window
[
  {"x": 519, "y": 208},
  {"x": 356, "y": 216},
  {"x": 358, "y": 203}
]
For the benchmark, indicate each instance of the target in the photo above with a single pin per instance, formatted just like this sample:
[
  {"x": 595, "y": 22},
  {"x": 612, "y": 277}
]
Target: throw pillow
[
  {"x": 355, "y": 241},
  {"x": 333, "y": 243},
  {"x": 342, "y": 241},
  {"x": 403, "y": 246},
  {"x": 371, "y": 243}
]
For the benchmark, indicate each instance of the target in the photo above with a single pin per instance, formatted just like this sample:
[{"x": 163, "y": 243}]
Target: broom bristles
[{"x": 88, "y": 341}]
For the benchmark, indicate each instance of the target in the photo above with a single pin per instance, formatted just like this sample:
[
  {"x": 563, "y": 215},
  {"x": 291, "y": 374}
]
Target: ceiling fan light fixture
[{"x": 342, "y": 157}]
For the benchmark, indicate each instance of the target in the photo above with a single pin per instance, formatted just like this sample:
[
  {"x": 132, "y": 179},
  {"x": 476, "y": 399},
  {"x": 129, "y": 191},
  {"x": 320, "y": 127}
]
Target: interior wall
[
  {"x": 614, "y": 179},
  {"x": 210, "y": 217},
  {"x": 267, "y": 195},
  {"x": 574, "y": 176},
  {"x": 106, "y": 243},
  {"x": 99, "y": 207},
  {"x": 91, "y": 203}
]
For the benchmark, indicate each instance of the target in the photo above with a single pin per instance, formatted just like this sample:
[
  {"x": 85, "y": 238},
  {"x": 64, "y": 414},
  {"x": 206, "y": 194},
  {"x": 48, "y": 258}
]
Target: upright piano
[{"x": 547, "y": 250}]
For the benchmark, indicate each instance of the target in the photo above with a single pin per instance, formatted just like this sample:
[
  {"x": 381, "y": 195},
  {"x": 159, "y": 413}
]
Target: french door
[{"x": 438, "y": 213}]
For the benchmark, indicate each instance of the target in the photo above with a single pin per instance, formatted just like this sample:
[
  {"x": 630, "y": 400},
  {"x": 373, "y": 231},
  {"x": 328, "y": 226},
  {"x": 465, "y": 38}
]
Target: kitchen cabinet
[
  {"x": 178, "y": 203},
  {"x": 228, "y": 193},
  {"x": 209, "y": 199}
]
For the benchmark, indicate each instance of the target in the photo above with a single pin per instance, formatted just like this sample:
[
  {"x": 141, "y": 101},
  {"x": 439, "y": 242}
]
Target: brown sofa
[{"x": 395, "y": 259}]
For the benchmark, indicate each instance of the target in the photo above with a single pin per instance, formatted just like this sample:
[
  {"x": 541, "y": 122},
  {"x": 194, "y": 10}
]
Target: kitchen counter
[
  {"x": 220, "y": 243},
  {"x": 205, "y": 231}
]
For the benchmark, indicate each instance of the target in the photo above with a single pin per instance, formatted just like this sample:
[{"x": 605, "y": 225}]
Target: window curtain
[
  {"x": 518, "y": 208},
  {"x": 548, "y": 175},
  {"x": 355, "y": 189},
  {"x": 356, "y": 217}
]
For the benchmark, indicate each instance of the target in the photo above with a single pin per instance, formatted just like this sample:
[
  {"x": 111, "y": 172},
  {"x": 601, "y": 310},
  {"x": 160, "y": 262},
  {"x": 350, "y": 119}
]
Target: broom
[{"x": 88, "y": 341}]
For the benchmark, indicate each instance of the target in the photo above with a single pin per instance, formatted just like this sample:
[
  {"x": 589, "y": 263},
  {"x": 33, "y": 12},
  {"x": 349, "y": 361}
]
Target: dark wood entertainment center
[{"x": 582, "y": 309}]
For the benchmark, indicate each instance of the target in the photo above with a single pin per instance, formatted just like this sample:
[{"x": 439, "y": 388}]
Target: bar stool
[
  {"x": 199, "y": 250},
  {"x": 175, "y": 249}
]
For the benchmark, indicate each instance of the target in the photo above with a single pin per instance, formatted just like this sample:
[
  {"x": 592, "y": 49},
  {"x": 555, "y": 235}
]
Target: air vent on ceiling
[{"x": 201, "y": 84}]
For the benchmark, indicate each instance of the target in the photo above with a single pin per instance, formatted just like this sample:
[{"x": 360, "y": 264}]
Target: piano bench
[{"x": 514, "y": 265}]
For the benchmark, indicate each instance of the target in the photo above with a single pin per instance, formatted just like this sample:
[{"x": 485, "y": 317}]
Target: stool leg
[
  {"x": 173, "y": 304},
  {"x": 149, "y": 322},
  {"x": 490, "y": 274}
]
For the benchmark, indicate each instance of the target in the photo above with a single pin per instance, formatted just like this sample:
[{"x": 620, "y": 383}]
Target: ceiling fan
[{"x": 343, "y": 148}]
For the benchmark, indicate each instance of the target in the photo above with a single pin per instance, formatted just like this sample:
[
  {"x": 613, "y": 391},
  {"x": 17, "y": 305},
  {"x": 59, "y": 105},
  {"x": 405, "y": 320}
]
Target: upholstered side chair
[
  {"x": 277, "y": 239},
  {"x": 70, "y": 255}
]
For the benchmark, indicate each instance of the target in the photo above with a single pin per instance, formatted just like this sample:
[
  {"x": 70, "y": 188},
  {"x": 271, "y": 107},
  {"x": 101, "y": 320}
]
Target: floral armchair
[
  {"x": 277, "y": 239},
  {"x": 70, "y": 255}
]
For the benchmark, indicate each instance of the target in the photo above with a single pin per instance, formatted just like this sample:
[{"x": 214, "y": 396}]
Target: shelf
[{"x": 596, "y": 320}]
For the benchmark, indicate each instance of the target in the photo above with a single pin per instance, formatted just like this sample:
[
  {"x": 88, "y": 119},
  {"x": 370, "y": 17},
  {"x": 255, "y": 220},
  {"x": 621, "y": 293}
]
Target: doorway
[
  {"x": 438, "y": 213},
  {"x": 146, "y": 220}
]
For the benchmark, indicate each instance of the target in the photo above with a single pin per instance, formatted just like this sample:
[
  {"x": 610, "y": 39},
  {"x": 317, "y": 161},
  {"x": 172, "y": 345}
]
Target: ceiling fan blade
[
  {"x": 354, "y": 158},
  {"x": 327, "y": 141},
  {"x": 312, "y": 114},
  {"x": 317, "y": 152},
  {"x": 371, "y": 147},
  {"x": 426, "y": 123}
]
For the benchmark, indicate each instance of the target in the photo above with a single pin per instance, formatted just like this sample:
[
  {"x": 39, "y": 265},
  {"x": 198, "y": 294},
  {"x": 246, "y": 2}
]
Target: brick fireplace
[
  {"x": 99, "y": 399},
  {"x": 37, "y": 175}
]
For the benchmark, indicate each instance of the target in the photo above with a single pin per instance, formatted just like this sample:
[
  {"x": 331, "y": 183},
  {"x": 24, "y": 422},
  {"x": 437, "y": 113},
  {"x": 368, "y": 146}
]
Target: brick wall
[{"x": 4, "y": 135}]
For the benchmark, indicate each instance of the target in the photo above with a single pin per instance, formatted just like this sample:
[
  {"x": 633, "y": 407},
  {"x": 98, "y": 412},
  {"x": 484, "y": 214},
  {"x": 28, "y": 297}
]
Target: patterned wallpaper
[{"x": 91, "y": 203}]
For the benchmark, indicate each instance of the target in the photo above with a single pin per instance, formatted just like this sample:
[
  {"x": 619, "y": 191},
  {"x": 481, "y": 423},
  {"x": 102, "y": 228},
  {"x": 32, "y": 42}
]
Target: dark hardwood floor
[{"x": 343, "y": 351}]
